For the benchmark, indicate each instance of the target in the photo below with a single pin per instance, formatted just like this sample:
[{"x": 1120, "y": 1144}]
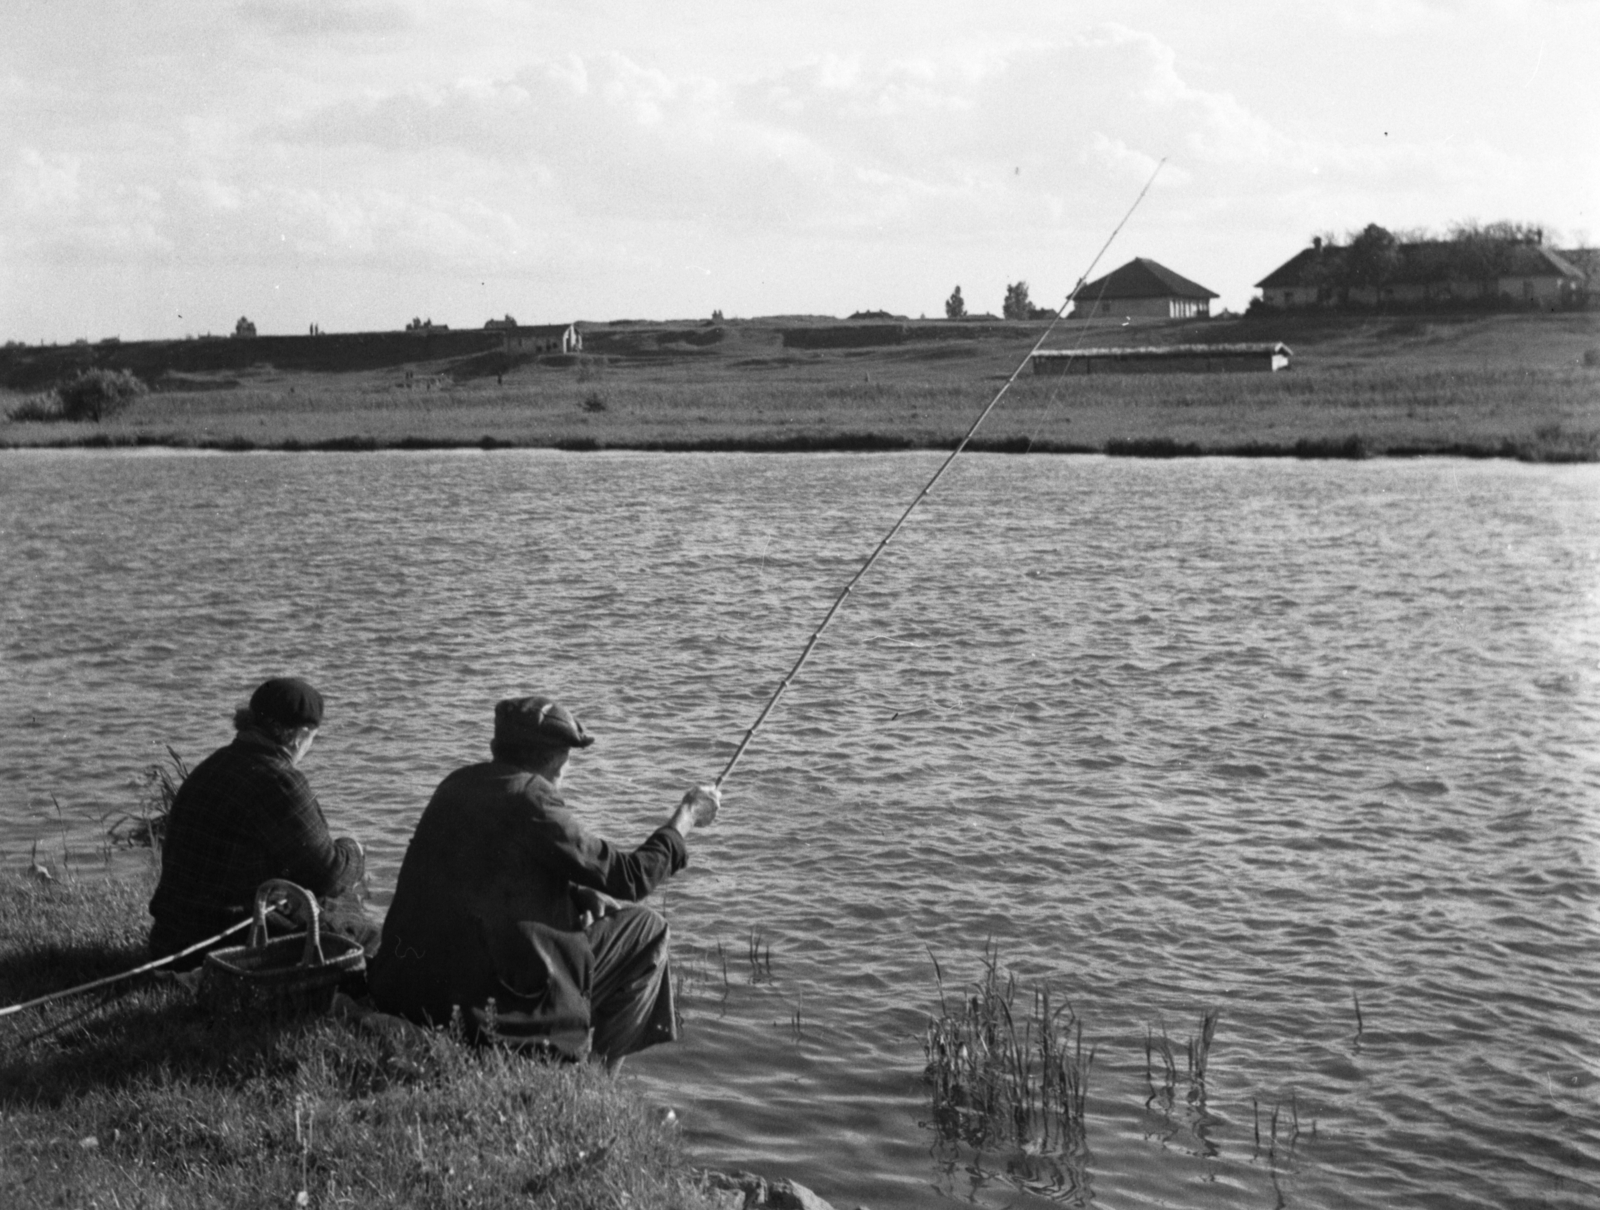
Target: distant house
[
  {"x": 1519, "y": 273},
  {"x": 1144, "y": 289},
  {"x": 1306, "y": 279},
  {"x": 1538, "y": 277},
  {"x": 244, "y": 328},
  {"x": 542, "y": 338}
]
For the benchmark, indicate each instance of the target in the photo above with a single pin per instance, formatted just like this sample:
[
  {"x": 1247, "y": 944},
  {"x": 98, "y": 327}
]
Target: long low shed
[{"x": 1171, "y": 359}]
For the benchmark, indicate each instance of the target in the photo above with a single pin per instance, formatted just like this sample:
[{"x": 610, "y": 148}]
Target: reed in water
[{"x": 1005, "y": 1076}]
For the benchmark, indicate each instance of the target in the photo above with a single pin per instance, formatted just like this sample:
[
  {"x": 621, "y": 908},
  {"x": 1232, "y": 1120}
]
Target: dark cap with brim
[
  {"x": 287, "y": 701},
  {"x": 539, "y": 722}
]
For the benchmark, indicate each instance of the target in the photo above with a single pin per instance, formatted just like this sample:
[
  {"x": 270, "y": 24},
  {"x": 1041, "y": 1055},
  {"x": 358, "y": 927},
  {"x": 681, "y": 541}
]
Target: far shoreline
[
  {"x": 1517, "y": 386},
  {"x": 1349, "y": 449}
]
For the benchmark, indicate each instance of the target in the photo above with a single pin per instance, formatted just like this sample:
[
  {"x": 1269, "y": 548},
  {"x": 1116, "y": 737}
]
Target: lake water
[{"x": 1267, "y": 737}]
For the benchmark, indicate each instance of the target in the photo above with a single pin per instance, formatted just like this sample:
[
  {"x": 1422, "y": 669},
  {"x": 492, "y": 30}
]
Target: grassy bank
[
  {"x": 1489, "y": 386},
  {"x": 148, "y": 1101}
]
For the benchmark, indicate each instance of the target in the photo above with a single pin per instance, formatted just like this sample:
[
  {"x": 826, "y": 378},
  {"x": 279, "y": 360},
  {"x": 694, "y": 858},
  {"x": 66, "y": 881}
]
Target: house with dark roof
[
  {"x": 1145, "y": 289},
  {"x": 1309, "y": 278},
  {"x": 1428, "y": 273},
  {"x": 1536, "y": 276}
]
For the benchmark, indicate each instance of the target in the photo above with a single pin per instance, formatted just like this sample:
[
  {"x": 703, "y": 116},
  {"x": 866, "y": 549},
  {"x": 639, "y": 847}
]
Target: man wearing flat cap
[
  {"x": 507, "y": 917},
  {"x": 247, "y": 814}
]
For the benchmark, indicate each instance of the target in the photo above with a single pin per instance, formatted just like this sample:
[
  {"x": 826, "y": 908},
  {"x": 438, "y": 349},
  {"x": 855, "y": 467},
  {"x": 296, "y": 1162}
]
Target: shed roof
[
  {"x": 1231, "y": 349},
  {"x": 1144, "y": 278}
]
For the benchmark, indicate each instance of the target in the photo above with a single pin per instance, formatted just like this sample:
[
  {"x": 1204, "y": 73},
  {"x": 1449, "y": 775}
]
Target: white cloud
[
  {"x": 212, "y": 194},
  {"x": 47, "y": 184}
]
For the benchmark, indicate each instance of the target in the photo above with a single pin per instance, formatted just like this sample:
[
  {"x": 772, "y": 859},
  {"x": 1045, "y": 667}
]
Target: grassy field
[
  {"x": 1522, "y": 386},
  {"x": 145, "y": 1100}
]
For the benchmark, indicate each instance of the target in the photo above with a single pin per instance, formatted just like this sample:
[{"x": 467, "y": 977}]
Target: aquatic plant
[
  {"x": 1166, "y": 1090},
  {"x": 700, "y": 970},
  {"x": 1163, "y": 1083},
  {"x": 1291, "y": 1133},
  {"x": 1200, "y": 1054},
  {"x": 760, "y": 955},
  {"x": 158, "y": 786},
  {"x": 997, "y": 1080}
]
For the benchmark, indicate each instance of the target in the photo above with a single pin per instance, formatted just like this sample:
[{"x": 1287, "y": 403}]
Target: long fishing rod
[
  {"x": 839, "y": 600},
  {"x": 109, "y": 979}
]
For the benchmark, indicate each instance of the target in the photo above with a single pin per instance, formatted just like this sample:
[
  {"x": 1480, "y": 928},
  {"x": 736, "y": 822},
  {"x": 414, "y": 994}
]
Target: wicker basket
[{"x": 290, "y": 974}]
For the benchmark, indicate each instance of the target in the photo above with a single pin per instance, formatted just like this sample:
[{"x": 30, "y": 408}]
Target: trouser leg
[{"x": 631, "y": 998}]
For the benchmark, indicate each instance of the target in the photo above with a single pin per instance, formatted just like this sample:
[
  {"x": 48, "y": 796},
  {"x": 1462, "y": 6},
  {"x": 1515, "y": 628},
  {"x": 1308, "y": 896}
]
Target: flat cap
[
  {"x": 287, "y": 701},
  {"x": 538, "y": 720}
]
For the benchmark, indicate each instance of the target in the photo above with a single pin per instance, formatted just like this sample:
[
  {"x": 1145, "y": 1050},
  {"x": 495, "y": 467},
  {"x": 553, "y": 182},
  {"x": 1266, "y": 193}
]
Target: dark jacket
[
  {"x": 483, "y": 906},
  {"x": 244, "y": 815}
]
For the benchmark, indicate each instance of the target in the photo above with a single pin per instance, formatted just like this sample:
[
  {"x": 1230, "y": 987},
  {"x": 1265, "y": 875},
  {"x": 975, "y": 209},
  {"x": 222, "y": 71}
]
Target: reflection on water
[
  {"x": 1060, "y": 1177},
  {"x": 1252, "y": 736}
]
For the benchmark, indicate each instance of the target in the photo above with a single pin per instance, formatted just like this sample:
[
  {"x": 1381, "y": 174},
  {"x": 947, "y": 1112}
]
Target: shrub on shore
[
  {"x": 43, "y": 408},
  {"x": 91, "y": 395},
  {"x": 96, "y": 394}
]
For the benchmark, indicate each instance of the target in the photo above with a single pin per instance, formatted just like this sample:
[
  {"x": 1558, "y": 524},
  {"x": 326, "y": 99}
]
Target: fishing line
[{"x": 849, "y": 587}]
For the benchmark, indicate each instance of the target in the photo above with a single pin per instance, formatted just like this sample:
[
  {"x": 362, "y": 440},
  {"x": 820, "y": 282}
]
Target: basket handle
[{"x": 276, "y": 889}]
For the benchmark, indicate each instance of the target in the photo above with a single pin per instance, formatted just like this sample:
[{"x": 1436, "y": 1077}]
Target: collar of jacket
[{"x": 258, "y": 741}]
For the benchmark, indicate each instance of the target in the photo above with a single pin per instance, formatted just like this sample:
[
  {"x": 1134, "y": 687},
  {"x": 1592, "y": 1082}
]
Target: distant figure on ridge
[
  {"x": 247, "y": 814},
  {"x": 505, "y": 897}
]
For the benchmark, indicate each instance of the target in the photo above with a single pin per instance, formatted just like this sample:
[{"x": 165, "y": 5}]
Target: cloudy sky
[{"x": 170, "y": 165}]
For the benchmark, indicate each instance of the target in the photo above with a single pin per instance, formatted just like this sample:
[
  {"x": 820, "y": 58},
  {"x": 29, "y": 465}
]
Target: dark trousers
[{"x": 630, "y": 1000}]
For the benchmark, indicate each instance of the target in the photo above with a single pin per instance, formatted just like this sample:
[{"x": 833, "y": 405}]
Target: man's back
[{"x": 497, "y": 850}]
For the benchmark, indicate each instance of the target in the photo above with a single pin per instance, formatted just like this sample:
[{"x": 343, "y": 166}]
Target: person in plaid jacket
[{"x": 247, "y": 814}]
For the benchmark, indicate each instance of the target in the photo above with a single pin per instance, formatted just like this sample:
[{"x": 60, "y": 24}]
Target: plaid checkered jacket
[{"x": 244, "y": 815}]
